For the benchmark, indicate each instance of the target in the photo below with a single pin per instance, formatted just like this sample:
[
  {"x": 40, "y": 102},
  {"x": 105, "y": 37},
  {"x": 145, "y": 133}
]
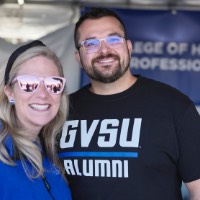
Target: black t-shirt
[{"x": 139, "y": 144}]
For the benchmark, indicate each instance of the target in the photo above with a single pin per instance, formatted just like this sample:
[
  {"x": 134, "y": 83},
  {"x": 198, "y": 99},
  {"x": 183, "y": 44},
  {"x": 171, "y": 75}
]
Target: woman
[{"x": 32, "y": 113}]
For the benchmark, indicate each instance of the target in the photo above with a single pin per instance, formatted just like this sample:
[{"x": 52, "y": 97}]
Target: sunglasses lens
[
  {"x": 54, "y": 85},
  {"x": 28, "y": 83}
]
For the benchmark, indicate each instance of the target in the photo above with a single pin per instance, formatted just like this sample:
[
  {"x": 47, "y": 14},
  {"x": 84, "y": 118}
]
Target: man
[{"x": 127, "y": 137}]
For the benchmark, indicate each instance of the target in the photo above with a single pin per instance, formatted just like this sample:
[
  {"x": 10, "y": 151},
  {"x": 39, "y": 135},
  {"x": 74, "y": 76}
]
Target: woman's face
[{"x": 35, "y": 109}]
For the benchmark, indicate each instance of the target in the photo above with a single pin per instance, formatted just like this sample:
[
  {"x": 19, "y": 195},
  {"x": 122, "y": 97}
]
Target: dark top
[{"x": 139, "y": 144}]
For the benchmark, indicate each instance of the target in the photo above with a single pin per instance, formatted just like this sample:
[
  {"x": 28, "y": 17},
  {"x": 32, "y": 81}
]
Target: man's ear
[
  {"x": 130, "y": 47},
  {"x": 77, "y": 56}
]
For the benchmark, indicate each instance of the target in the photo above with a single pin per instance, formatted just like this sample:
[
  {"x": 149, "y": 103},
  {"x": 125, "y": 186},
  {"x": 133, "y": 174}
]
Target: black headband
[{"x": 15, "y": 55}]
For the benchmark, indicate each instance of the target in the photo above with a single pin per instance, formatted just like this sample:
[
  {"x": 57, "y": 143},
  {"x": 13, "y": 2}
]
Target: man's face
[{"x": 108, "y": 63}]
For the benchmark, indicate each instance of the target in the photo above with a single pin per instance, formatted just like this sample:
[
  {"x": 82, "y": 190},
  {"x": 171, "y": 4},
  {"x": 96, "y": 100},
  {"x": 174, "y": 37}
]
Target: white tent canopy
[
  {"x": 53, "y": 24},
  {"x": 36, "y": 18}
]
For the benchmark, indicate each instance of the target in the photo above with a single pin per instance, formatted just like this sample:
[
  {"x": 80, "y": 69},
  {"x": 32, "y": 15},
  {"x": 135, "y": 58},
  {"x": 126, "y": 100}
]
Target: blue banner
[{"x": 166, "y": 47}]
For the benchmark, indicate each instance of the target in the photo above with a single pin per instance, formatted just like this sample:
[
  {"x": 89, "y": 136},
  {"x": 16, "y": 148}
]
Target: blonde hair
[{"x": 24, "y": 148}]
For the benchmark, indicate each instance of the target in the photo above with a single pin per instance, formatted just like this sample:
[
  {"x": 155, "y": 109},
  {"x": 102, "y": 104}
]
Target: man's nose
[{"x": 104, "y": 47}]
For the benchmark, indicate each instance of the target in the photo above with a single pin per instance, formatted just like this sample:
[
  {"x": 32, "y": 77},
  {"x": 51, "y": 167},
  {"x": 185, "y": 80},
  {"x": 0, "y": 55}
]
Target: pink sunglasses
[{"x": 28, "y": 83}]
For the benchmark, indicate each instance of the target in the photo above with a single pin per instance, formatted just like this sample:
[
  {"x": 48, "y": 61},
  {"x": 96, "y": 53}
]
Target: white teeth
[
  {"x": 39, "y": 106},
  {"x": 106, "y": 61}
]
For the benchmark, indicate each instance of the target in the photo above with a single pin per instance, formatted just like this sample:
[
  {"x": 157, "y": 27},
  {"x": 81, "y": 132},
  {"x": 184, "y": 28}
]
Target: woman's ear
[{"x": 8, "y": 92}]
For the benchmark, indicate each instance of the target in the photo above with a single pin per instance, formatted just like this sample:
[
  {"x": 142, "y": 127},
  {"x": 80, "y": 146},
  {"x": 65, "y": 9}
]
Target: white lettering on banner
[
  {"x": 165, "y": 64},
  {"x": 195, "y": 49},
  {"x": 149, "y": 47},
  {"x": 160, "y": 48},
  {"x": 166, "y": 56},
  {"x": 107, "y": 133},
  {"x": 174, "y": 48},
  {"x": 102, "y": 168}
]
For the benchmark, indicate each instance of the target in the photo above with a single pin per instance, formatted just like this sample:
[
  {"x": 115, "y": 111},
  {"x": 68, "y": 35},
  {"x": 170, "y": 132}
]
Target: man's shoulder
[
  {"x": 79, "y": 92},
  {"x": 163, "y": 92},
  {"x": 160, "y": 86}
]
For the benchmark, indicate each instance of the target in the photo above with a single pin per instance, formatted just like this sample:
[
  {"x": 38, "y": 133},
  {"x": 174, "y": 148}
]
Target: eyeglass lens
[{"x": 93, "y": 45}]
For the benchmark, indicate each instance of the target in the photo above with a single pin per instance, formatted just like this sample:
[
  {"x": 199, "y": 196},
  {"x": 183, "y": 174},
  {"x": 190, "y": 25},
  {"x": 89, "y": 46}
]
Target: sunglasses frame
[{"x": 40, "y": 79}]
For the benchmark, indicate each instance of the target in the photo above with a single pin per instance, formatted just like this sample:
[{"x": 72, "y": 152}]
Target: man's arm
[{"x": 194, "y": 189}]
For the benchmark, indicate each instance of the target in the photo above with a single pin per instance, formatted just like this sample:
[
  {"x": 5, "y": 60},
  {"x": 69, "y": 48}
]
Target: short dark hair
[{"x": 96, "y": 13}]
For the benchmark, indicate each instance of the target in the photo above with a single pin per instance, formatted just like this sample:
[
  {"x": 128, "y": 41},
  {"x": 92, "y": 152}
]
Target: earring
[{"x": 12, "y": 102}]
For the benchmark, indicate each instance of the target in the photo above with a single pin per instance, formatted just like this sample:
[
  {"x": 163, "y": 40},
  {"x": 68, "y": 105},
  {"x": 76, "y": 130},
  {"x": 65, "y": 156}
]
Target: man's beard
[{"x": 99, "y": 75}]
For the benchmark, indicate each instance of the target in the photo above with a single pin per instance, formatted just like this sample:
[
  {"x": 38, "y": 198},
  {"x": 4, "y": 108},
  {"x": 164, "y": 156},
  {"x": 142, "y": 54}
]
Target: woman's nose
[{"x": 42, "y": 91}]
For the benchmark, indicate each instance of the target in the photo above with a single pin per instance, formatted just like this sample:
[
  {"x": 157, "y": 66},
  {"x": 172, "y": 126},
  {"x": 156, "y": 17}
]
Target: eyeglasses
[
  {"x": 28, "y": 83},
  {"x": 93, "y": 45}
]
